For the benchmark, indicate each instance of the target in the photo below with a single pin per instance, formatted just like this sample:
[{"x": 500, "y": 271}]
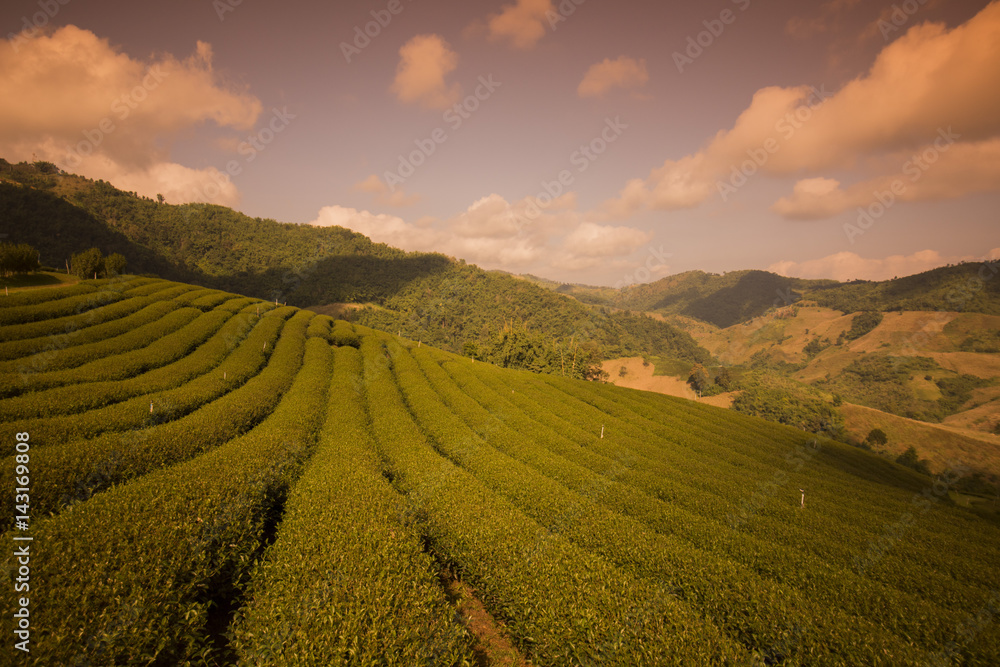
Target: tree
[
  {"x": 87, "y": 264},
  {"x": 114, "y": 264},
  {"x": 877, "y": 437},
  {"x": 622, "y": 372},
  {"x": 699, "y": 378},
  {"x": 815, "y": 346},
  {"x": 863, "y": 323},
  {"x": 46, "y": 167},
  {"x": 470, "y": 349},
  {"x": 724, "y": 378},
  {"x": 911, "y": 459},
  {"x": 21, "y": 258}
]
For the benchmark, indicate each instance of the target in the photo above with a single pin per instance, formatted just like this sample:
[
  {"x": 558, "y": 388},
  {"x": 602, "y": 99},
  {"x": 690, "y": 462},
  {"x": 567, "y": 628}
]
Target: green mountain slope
[
  {"x": 426, "y": 296},
  {"x": 723, "y": 300},
  {"x": 972, "y": 287},
  {"x": 266, "y": 485}
]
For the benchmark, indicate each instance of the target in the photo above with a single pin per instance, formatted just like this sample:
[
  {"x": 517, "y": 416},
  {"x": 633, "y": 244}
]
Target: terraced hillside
[{"x": 210, "y": 478}]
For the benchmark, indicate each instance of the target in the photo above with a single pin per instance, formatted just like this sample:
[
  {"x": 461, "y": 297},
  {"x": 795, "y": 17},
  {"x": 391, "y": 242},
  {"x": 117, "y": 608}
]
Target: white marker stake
[
  {"x": 602, "y": 431},
  {"x": 150, "y": 407},
  {"x": 803, "y": 497}
]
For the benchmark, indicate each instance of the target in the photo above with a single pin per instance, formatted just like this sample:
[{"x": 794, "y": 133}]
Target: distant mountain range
[{"x": 739, "y": 296}]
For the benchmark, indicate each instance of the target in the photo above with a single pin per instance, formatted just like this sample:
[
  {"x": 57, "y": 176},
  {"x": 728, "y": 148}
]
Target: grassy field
[
  {"x": 245, "y": 483},
  {"x": 36, "y": 280},
  {"x": 938, "y": 443}
]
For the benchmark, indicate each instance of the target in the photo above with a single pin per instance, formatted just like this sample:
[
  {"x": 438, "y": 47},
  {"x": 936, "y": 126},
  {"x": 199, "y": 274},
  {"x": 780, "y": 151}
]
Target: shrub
[
  {"x": 87, "y": 264},
  {"x": 114, "y": 264},
  {"x": 20, "y": 258},
  {"x": 863, "y": 323},
  {"x": 877, "y": 437},
  {"x": 911, "y": 459}
]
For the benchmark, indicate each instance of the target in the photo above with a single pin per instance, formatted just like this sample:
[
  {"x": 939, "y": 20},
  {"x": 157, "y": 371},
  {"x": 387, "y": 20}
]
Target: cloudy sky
[{"x": 579, "y": 140}]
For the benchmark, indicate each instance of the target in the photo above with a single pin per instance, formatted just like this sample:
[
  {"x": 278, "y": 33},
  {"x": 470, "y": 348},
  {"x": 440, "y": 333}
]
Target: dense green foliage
[
  {"x": 876, "y": 437},
  {"x": 970, "y": 287},
  {"x": 92, "y": 264},
  {"x": 911, "y": 459},
  {"x": 815, "y": 346},
  {"x": 17, "y": 258},
  {"x": 863, "y": 323},
  {"x": 984, "y": 341},
  {"x": 87, "y": 264},
  {"x": 955, "y": 391},
  {"x": 513, "y": 347},
  {"x": 767, "y": 395},
  {"x": 699, "y": 378},
  {"x": 723, "y": 300},
  {"x": 302, "y": 486},
  {"x": 885, "y": 383}
]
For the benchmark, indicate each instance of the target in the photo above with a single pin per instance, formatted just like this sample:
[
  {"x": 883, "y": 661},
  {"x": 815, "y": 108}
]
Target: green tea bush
[
  {"x": 563, "y": 606},
  {"x": 346, "y": 583},
  {"x": 230, "y": 357},
  {"x": 717, "y": 587},
  {"x": 163, "y": 350},
  {"x": 344, "y": 334},
  {"x": 136, "y": 569},
  {"x": 42, "y": 308},
  {"x": 123, "y": 335},
  {"x": 74, "y": 472}
]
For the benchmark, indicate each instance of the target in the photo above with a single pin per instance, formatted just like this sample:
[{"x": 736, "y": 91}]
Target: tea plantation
[{"x": 212, "y": 479}]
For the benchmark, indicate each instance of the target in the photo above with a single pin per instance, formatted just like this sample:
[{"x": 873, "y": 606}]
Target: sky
[{"x": 585, "y": 141}]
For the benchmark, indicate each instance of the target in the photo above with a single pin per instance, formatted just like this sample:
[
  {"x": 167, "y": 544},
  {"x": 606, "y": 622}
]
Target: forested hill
[
  {"x": 722, "y": 300},
  {"x": 971, "y": 287},
  {"x": 425, "y": 296},
  {"x": 739, "y": 296}
]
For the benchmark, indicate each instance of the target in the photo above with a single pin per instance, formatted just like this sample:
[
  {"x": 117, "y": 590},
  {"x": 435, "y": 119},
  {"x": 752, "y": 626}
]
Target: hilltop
[{"x": 217, "y": 479}]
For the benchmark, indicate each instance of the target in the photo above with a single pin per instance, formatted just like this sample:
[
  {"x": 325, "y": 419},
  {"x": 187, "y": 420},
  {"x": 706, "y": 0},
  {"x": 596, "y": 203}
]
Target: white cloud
[
  {"x": 521, "y": 24},
  {"x": 494, "y": 233},
  {"x": 383, "y": 195},
  {"x": 623, "y": 72},
  {"x": 424, "y": 63},
  {"x": 925, "y": 175},
  {"x": 851, "y": 266},
  {"x": 593, "y": 240},
  {"x": 71, "y": 98},
  {"x": 927, "y": 81}
]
